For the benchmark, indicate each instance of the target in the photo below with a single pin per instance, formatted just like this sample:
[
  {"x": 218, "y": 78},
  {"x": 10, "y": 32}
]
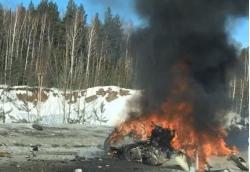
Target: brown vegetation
[
  {"x": 112, "y": 95},
  {"x": 33, "y": 97},
  {"x": 90, "y": 98}
]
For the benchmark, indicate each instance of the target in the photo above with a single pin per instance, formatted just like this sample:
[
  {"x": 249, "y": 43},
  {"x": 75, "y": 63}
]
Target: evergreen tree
[
  {"x": 70, "y": 11},
  {"x": 31, "y": 7},
  {"x": 112, "y": 31},
  {"x": 42, "y": 7}
]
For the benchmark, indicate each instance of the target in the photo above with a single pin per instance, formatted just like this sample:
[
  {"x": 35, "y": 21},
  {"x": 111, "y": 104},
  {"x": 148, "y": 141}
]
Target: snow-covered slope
[{"x": 93, "y": 106}]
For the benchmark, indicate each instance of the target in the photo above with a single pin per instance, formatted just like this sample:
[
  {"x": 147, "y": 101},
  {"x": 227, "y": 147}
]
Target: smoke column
[{"x": 192, "y": 31}]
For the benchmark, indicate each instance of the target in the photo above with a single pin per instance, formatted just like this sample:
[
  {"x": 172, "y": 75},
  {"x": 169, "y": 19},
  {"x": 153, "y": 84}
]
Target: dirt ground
[
  {"x": 94, "y": 165},
  {"x": 58, "y": 147}
]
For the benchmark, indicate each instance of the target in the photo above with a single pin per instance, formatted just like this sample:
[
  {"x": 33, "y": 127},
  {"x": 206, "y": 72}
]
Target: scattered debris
[
  {"x": 37, "y": 127},
  {"x": 239, "y": 161},
  {"x": 34, "y": 150},
  {"x": 178, "y": 161},
  {"x": 79, "y": 158},
  {"x": 156, "y": 151},
  {"x": 3, "y": 144},
  {"x": 5, "y": 154}
]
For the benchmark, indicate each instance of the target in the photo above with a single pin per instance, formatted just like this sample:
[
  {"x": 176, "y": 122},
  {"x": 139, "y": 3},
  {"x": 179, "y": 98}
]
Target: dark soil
[{"x": 94, "y": 165}]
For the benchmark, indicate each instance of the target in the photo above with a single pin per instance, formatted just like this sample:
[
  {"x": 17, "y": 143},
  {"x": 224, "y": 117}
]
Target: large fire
[{"x": 177, "y": 115}]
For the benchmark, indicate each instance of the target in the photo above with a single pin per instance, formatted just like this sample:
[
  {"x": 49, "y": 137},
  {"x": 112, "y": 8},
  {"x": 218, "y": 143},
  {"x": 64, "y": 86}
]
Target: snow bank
[{"x": 93, "y": 106}]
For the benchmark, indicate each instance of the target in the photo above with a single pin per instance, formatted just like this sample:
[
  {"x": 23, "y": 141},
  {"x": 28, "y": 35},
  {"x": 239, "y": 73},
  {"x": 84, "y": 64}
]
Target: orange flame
[{"x": 178, "y": 116}]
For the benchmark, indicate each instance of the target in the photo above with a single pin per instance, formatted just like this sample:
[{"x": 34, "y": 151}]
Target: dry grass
[
  {"x": 124, "y": 92},
  {"x": 112, "y": 95},
  {"x": 101, "y": 92},
  {"x": 34, "y": 96},
  {"x": 90, "y": 98}
]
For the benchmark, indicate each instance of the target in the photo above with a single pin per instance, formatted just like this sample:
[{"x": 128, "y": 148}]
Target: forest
[{"x": 41, "y": 47}]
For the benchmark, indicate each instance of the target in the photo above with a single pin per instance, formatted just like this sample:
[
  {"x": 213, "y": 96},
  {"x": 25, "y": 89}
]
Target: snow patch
[{"x": 93, "y": 106}]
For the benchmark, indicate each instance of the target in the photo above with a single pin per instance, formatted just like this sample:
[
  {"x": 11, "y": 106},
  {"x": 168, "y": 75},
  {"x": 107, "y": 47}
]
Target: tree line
[
  {"x": 239, "y": 86},
  {"x": 41, "y": 47}
]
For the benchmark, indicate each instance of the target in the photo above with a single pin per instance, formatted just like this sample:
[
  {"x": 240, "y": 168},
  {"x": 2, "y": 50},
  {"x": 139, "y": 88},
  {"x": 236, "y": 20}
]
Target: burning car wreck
[
  {"x": 157, "y": 151},
  {"x": 184, "y": 62}
]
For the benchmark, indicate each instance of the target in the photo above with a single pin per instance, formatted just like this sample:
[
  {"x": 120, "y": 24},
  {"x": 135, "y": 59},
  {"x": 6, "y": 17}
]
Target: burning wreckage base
[{"x": 157, "y": 151}]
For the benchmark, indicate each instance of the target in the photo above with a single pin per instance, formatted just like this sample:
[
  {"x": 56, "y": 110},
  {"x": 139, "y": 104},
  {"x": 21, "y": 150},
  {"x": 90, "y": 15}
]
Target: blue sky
[{"x": 238, "y": 29}]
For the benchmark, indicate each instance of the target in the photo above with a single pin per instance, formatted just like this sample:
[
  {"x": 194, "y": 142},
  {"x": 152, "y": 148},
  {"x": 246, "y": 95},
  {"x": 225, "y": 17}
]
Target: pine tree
[
  {"x": 112, "y": 31},
  {"x": 70, "y": 11},
  {"x": 31, "y": 7}
]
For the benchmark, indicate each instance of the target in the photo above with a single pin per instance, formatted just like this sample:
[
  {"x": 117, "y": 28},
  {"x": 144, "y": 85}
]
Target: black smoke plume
[{"x": 194, "y": 32}]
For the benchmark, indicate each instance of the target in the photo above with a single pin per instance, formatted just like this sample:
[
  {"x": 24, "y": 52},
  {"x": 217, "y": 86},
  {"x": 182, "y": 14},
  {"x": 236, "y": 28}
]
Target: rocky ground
[{"x": 60, "y": 149}]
